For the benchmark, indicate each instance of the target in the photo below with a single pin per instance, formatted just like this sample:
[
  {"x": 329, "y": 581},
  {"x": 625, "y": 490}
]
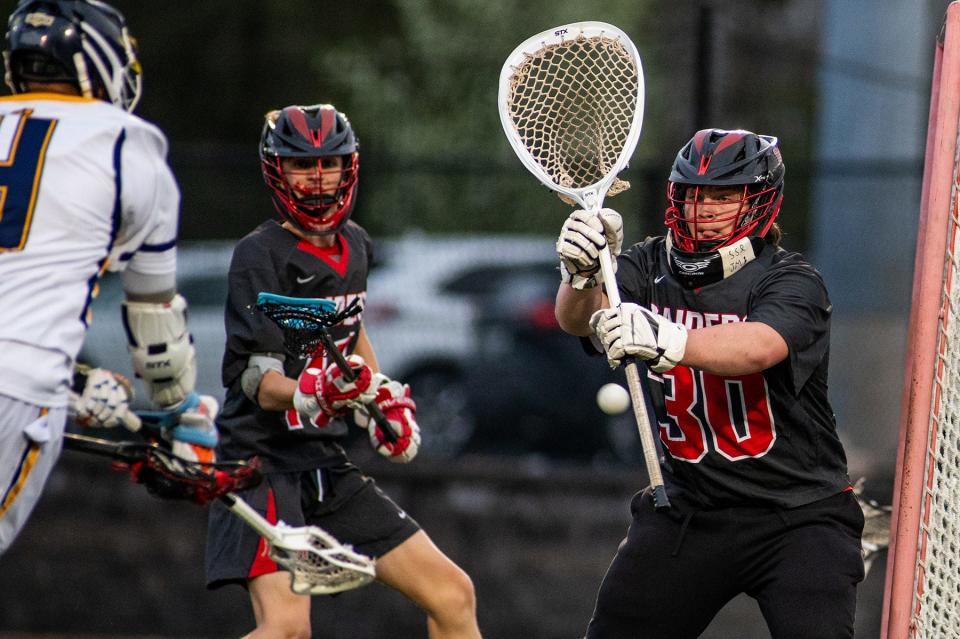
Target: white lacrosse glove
[
  {"x": 634, "y": 331},
  {"x": 101, "y": 399},
  {"x": 583, "y": 236},
  {"x": 328, "y": 392},
  {"x": 393, "y": 399},
  {"x": 195, "y": 436}
]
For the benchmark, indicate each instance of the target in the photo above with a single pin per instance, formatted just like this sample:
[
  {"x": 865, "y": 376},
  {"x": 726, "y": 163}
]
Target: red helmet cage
[
  {"x": 719, "y": 158},
  {"x": 312, "y": 132}
]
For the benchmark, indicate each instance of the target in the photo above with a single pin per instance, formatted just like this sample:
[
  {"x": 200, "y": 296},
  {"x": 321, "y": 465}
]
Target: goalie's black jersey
[
  {"x": 274, "y": 260},
  {"x": 768, "y": 437}
]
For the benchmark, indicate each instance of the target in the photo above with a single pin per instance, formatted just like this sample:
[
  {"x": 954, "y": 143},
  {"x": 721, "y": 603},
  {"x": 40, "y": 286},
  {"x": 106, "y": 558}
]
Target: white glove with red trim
[
  {"x": 328, "y": 391},
  {"x": 393, "y": 399}
]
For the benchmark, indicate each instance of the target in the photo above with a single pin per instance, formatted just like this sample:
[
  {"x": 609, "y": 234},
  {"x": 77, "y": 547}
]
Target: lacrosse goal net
[{"x": 922, "y": 590}]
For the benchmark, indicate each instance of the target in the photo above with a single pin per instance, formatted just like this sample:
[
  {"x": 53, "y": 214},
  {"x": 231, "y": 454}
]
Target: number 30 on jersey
[{"x": 732, "y": 413}]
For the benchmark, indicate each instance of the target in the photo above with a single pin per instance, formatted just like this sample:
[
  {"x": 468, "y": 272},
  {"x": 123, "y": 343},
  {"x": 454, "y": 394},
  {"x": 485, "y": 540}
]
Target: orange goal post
[{"x": 922, "y": 590}]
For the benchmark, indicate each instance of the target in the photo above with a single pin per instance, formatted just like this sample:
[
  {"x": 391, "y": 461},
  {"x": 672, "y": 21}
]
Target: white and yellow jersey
[{"x": 84, "y": 187}]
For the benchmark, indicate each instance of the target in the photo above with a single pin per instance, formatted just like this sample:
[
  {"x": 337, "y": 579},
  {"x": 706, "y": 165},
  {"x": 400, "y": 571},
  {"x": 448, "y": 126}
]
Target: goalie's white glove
[
  {"x": 394, "y": 401},
  {"x": 583, "y": 236},
  {"x": 634, "y": 331},
  {"x": 322, "y": 394},
  {"x": 195, "y": 436},
  {"x": 101, "y": 399}
]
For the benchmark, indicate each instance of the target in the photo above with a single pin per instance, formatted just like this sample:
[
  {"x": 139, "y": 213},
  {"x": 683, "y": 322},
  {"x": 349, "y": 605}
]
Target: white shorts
[{"x": 31, "y": 437}]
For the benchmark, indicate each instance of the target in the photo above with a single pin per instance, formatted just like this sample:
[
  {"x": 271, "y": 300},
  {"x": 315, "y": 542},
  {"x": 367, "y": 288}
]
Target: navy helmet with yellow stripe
[{"x": 80, "y": 42}]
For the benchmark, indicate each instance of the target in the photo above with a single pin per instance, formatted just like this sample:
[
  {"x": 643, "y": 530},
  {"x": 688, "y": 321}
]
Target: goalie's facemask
[
  {"x": 699, "y": 269},
  {"x": 310, "y": 161},
  {"x": 724, "y": 186}
]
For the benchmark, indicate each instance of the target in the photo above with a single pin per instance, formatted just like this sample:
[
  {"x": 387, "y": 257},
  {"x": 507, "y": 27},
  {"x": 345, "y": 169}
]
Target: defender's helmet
[
  {"x": 715, "y": 157},
  {"x": 312, "y": 132},
  {"x": 83, "y": 42}
]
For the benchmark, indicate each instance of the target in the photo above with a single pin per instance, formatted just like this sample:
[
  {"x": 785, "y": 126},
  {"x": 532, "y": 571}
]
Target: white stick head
[
  {"x": 318, "y": 563},
  {"x": 571, "y": 104}
]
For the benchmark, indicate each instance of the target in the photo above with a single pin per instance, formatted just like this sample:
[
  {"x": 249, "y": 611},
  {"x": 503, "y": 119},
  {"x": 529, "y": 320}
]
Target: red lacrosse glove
[
  {"x": 329, "y": 392},
  {"x": 395, "y": 403}
]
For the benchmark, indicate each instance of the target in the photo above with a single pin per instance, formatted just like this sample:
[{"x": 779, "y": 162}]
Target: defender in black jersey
[
  {"x": 291, "y": 416},
  {"x": 735, "y": 334}
]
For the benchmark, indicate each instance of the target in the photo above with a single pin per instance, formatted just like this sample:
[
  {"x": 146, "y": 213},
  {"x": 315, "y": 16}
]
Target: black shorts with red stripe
[{"x": 340, "y": 499}]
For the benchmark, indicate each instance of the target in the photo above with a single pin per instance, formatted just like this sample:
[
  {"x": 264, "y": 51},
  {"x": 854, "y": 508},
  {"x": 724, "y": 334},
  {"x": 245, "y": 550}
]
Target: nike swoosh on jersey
[
  {"x": 658, "y": 278},
  {"x": 304, "y": 280}
]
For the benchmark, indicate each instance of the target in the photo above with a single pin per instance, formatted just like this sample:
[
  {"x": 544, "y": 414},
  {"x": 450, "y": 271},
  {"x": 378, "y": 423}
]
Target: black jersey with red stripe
[
  {"x": 768, "y": 437},
  {"x": 274, "y": 260}
]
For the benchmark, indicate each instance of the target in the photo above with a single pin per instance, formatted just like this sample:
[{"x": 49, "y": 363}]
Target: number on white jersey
[{"x": 23, "y": 147}]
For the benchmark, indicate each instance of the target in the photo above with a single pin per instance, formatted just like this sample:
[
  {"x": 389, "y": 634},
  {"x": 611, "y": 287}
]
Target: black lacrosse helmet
[
  {"x": 720, "y": 158},
  {"x": 311, "y": 132},
  {"x": 82, "y": 42}
]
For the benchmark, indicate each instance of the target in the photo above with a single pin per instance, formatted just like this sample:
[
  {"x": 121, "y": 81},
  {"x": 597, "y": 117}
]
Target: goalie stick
[
  {"x": 317, "y": 562},
  {"x": 305, "y": 322},
  {"x": 571, "y": 105}
]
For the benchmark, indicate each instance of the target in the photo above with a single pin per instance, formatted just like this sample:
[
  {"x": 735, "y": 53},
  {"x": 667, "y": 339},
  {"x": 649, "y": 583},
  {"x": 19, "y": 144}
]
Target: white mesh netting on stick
[{"x": 572, "y": 105}]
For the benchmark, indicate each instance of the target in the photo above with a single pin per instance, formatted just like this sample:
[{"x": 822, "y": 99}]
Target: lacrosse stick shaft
[
  {"x": 349, "y": 375},
  {"x": 634, "y": 385},
  {"x": 255, "y": 520},
  {"x": 96, "y": 446}
]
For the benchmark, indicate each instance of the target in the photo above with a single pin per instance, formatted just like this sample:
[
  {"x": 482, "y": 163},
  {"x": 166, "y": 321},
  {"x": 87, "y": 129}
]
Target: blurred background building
[{"x": 460, "y": 298}]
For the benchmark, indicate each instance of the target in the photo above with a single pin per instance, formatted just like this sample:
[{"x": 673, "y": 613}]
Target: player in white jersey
[{"x": 84, "y": 188}]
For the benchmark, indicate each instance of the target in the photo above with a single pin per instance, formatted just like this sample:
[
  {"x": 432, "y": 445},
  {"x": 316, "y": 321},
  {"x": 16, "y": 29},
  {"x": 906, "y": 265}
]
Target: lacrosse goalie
[{"x": 735, "y": 332}]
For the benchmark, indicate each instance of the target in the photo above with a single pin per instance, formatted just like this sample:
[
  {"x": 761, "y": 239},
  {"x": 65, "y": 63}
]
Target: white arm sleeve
[{"x": 149, "y": 204}]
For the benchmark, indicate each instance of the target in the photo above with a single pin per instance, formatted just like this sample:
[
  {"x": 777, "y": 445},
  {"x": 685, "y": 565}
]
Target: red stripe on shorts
[{"x": 262, "y": 564}]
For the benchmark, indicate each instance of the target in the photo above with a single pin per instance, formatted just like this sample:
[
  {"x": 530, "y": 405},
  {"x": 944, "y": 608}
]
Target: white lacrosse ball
[{"x": 613, "y": 399}]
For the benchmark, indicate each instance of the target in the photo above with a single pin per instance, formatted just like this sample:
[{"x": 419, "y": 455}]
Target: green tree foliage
[{"x": 418, "y": 79}]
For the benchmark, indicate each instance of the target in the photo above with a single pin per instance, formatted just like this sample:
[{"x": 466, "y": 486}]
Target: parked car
[
  {"x": 526, "y": 387},
  {"x": 414, "y": 316}
]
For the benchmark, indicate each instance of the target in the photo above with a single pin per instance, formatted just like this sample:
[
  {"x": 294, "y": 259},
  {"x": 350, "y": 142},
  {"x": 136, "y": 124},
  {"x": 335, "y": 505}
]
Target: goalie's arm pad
[
  {"x": 257, "y": 367},
  {"x": 161, "y": 349}
]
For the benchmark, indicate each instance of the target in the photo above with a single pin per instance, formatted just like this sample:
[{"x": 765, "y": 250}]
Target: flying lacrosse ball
[{"x": 613, "y": 399}]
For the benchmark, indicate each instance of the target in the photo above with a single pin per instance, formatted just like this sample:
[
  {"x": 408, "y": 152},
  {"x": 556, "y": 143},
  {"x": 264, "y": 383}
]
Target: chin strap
[{"x": 694, "y": 270}]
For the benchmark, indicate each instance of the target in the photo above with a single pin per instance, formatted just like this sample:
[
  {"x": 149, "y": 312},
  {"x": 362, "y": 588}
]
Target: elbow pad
[
  {"x": 161, "y": 349},
  {"x": 257, "y": 367}
]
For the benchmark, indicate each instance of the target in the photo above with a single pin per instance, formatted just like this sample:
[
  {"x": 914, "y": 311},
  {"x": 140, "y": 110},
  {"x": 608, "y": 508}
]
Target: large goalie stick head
[{"x": 571, "y": 104}]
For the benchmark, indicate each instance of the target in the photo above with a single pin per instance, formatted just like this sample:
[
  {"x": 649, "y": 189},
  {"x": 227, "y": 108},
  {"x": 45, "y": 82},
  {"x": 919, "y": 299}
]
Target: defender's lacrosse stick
[
  {"x": 317, "y": 562},
  {"x": 571, "y": 104},
  {"x": 306, "y": 322}
]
